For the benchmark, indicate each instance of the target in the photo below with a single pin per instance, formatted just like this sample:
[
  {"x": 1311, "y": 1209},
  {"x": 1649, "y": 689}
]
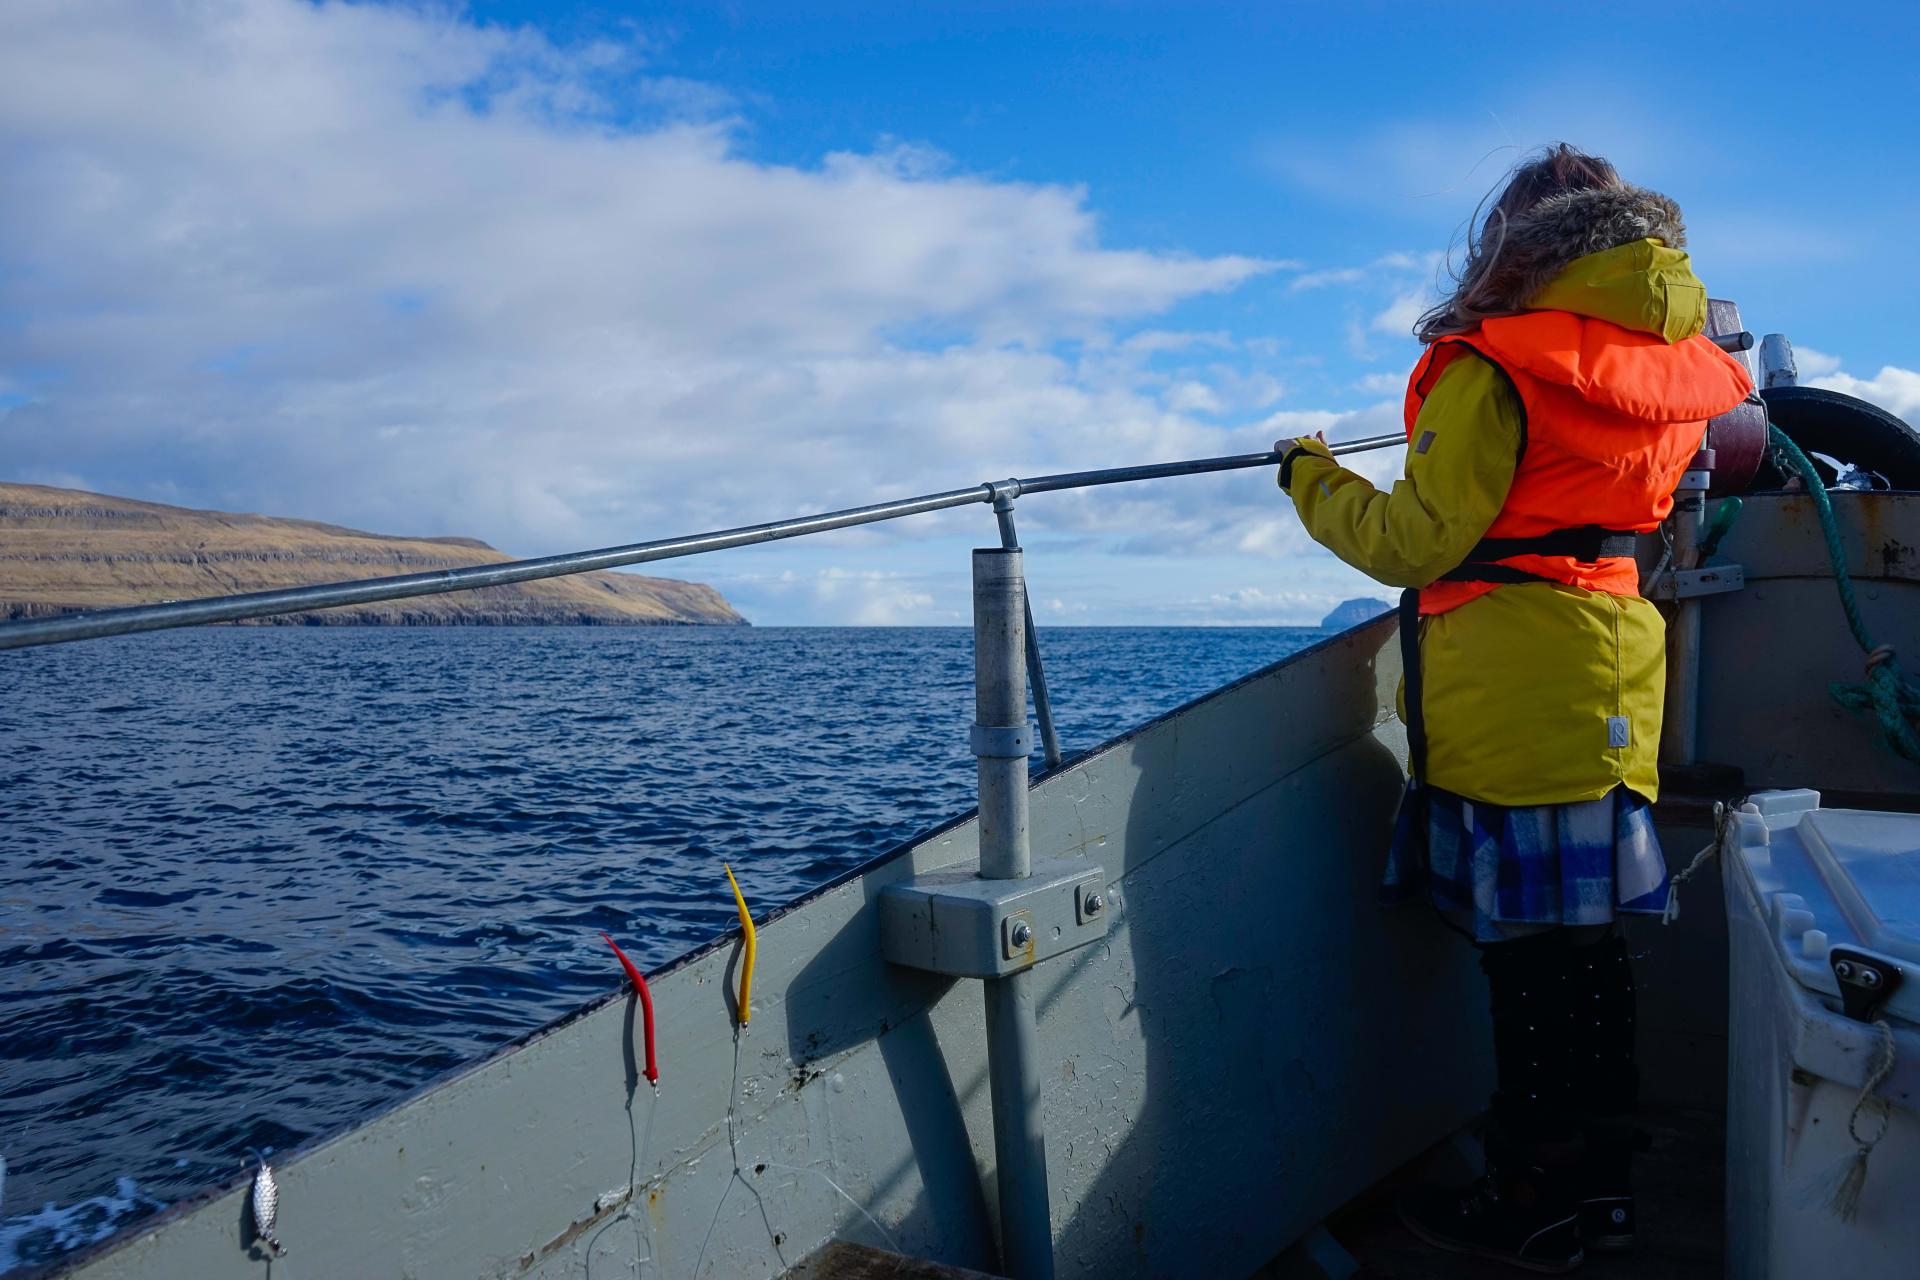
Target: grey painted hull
[{"x": 1252, "y": 1044}]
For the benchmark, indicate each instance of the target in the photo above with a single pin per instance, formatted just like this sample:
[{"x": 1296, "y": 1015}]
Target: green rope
[{"x": 1888, "y": 693}]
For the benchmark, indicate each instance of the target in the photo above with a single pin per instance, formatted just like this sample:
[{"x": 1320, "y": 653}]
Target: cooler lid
[
  {"x": 1834, "y": 877},
  {"x": 1871, "y": 862}
]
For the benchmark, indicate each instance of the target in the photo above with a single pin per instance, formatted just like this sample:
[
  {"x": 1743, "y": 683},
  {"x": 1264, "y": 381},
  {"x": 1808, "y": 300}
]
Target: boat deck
[{"x": 1680, "y": 1187}]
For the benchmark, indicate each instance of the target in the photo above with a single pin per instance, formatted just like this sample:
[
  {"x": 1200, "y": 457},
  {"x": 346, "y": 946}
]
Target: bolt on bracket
[{"x": 1016, "y": 936}]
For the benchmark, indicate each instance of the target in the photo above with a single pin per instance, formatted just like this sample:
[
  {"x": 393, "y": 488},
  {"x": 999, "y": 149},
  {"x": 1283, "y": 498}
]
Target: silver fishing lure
[{"x": 266, "y": 1207}]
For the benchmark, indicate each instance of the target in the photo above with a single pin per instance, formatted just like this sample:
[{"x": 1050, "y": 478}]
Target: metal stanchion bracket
[
  {"x": 955, "y": 923},
  {"x": 1710, "y": 581},
  {"x": 1001, "y": 742}
]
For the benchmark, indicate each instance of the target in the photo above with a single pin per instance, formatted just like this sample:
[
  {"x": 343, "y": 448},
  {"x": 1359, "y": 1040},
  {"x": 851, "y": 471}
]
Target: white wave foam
[{"x": 55, "y": 1229}]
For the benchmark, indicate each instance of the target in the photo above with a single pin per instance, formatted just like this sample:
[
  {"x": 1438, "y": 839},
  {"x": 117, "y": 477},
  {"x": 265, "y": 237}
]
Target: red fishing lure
[{"x": 646, "y": 1007}]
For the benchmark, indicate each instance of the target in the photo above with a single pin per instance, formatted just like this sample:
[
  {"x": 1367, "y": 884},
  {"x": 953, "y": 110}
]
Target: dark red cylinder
[
  {"x": 1738, "y": 437},
  {"x": 646, "y": 1007}
]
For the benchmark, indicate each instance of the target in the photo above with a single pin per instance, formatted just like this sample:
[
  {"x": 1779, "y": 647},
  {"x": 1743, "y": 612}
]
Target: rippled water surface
[{"x": 257, "y": 883}]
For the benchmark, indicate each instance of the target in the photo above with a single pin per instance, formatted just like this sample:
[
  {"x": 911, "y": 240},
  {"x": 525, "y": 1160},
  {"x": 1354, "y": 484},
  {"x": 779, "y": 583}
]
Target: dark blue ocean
[{"x": 257, "y": 883}]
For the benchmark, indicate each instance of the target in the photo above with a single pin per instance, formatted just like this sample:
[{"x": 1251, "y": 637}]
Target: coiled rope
[
  {"x": 1888, "y": 691},
  {"x": 1840, "y": 1186}
]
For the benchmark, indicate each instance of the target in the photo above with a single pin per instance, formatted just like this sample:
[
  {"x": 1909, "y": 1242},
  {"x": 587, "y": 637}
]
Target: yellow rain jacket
[{"x": 1516, "y": 679}]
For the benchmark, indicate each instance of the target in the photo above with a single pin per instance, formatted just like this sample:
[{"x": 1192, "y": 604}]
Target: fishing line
[
  {"x": 742, "y": 1013},
  {"x": 822, "y": 1175},
  {"x": 643, "y": 1230},
  {"x": 646, "y": 1140},
  {"x": 733, "y": 1145},
  {"x": 739, "y": 1174}
]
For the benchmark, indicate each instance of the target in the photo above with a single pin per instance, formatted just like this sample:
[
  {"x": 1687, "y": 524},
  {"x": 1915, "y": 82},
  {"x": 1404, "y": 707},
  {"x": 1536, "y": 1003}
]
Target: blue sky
[
  {"x": 565, "y": 275},
  {"x": 1336, "y": 134}
]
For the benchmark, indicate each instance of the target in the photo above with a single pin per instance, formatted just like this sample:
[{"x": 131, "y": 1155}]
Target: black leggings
[{"x": 1562, "y": 1033}]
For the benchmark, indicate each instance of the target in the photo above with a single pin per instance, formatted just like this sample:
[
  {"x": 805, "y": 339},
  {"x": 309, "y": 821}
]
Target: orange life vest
[{"x": 1613, "y": 418}]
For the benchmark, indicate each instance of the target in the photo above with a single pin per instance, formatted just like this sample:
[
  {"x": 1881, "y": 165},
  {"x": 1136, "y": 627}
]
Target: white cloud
[
  {"x": 1403, "y": 280},
  {"x": 1150, "y": 342},
  {"x": 897, "y": 609},
  {"x": 850, "y": 597},
  {"x": 1814, "y": 364},
  {"x": 1426, "y": 263},
  {"x": 1321, "y": 279},
  {"x": 1381, "y": 466},
  {"x": 1192, "y": 397},
  {"x": 1397, "y": 264},
  {"x": 1259, "y": 601},
  {"x": 1400, "y": 317},
  {"x": 1894, "y": 389},
  {"x": 391, "y": 268},
  {"x": 1301, "y": 593}
]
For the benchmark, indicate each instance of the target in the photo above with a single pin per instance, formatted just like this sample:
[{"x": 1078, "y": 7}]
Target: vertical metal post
[
  {"x": 1003, "y": 495},
  {"x": 1681, "y": 743},
  {"x": 1002, "y": 742},
  {"x": 1777, "y": 365}
]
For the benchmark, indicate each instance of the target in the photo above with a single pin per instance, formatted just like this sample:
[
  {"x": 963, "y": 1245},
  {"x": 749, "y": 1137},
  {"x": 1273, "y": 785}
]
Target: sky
[{"x": 573, "y": 275}]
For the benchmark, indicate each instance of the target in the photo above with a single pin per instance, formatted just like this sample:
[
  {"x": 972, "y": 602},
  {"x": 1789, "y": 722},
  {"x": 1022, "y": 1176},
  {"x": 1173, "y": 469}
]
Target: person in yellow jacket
[{"x": 1564, "y": 390}]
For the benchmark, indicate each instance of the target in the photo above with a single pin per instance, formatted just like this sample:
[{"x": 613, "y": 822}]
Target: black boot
[
  {"x": 1605, "y": 1185},
  {"x": 1606, "y": 1090},
  {"x": 1520, "y": 1212}
]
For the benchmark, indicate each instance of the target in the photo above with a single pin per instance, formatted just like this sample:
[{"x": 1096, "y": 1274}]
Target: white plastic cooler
[{"x": 1808, "y": 888}]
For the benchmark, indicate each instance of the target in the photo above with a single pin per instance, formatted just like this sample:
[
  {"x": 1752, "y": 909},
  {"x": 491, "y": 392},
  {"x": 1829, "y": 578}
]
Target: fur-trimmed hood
[{"x": 1536, "y": 246}]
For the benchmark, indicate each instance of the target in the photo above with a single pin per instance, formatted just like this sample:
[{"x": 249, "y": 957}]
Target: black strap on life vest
[
  {"x": 1586, "y": 543},
  {"x": 1410, "y": 673}
]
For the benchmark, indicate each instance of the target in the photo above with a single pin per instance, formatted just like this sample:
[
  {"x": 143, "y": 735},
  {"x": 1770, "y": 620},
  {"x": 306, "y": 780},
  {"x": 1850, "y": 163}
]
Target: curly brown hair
[{"x": 1554, "y": 207}]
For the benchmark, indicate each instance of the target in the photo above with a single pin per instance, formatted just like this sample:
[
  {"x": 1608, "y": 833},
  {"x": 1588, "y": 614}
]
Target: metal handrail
[{"x": 264, "y": 604}]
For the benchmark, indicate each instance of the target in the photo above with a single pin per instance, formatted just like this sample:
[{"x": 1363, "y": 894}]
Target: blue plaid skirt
[{"x": 1553, "y": 864}]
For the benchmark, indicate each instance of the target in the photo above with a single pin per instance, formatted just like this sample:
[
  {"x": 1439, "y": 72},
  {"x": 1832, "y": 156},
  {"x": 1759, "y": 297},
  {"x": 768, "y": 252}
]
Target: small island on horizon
[
  {"x": 1351, "y": 613},
  {"x": 66, "y": 550}
]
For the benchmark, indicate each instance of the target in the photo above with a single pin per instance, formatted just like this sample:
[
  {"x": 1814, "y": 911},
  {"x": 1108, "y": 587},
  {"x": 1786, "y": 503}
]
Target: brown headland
[{"x": 64, "y": 550}]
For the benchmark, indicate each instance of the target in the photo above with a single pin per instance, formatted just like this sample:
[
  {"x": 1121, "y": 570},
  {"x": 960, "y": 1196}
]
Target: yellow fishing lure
[{"x": 746, "y": 961}]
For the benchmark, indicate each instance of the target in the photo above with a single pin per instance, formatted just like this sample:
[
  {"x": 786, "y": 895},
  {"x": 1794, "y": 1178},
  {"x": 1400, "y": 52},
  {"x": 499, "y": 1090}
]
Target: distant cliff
[
  {"x": 1351, "y": 613},
  {"x": 63, "y": 550}
]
